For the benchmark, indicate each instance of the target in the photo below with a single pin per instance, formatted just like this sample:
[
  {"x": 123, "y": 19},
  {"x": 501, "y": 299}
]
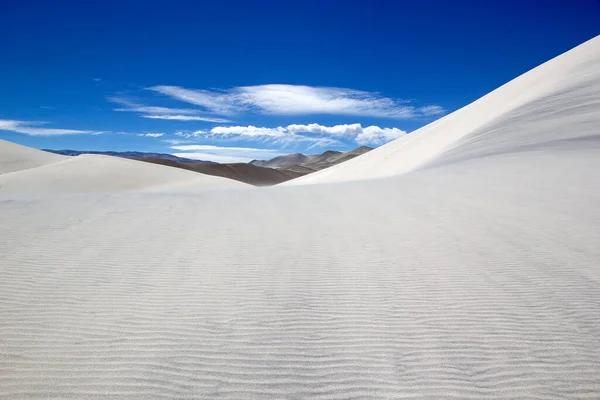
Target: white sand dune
[
  {"x": 559, "y": 100},
  {"x": 14, "y": 157},
  {"x": 474, "y": 276},
  {"x": 90, "y": 173}
]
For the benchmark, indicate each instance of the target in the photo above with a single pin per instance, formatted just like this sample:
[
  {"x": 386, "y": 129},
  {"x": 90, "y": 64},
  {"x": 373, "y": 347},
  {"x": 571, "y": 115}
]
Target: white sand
[
  {"x": 90, "y": 173},
  {"x": 14, "y": 157},
  {"x": 475, "y": 276},
  {"x": 556, "y": 101}
]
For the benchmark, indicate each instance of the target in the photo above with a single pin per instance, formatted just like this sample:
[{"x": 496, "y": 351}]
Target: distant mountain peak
[{"x": 303, "y": 163}]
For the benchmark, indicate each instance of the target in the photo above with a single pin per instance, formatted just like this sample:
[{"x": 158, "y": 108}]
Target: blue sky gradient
[{"x": 237, "y": 80}]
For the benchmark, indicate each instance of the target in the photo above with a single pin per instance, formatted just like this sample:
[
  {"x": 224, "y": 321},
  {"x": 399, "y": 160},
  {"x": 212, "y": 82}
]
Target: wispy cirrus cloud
[
  {"x": 32, "y": 128},
  {"x": 279, "y": 99},
  {"x": 164, "y": 113},
  {"x": 296, "y": 133},
  {"x": 218, "y": 102},
  {"x": 249, "y": 130},
  {"x": 431, "y": 110},
  {"x": 185, "y": 118},
  {"x": 223, "y": 154},
  {"x": 151, "y": 134}
]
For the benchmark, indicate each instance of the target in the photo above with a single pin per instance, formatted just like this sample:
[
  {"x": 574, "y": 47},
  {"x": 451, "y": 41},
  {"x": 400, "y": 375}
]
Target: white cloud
[
  {"x": 185, "y": 134},
  {"x": 311, "y": 141},
  {"x": 431, "y": 110},
  {"x": 135, "y": 107},
  {"x": 27, "y": 128},
  {"x": 205, "y": 147},
  {"x": 374, "y": 135},
  {"x": 219, "y": 102},
  {"x": 8, "y": 125},
  {"x": 278, "y": 135},
  {"x": 186, "y": 118},
  {"x": 336, "y": 130},
  {"x": 371, "y": 135},
  {"x": 298, "y": 100},
  {"x": 224, "y": 154},
  {"x": 218, "y": 158},
  {"x": 175, "y": 141},
  {"x": 328, "y": 135},
  {"x": 248, "y": 131},
  {"x": 165, "y": 113},
  {"x": 150, "y": 134}
]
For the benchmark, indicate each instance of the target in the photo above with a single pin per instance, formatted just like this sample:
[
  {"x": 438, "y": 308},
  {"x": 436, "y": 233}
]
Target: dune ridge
[
  {"x": 90, "y": 173},
  {"x": 14, "y": 157},
  {"x": 554, "y": 101}
]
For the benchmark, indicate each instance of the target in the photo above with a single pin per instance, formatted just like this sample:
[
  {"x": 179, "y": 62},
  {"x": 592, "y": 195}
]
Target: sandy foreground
[{"x": 470, "y": 273}]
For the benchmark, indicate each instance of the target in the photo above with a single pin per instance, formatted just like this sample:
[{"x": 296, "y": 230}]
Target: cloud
[
  {"x": 186, "y": 135},
  {"x": 431, "y": 110},
  {"x": 298, "y": 100},
  {"x": 176, "y": 141},
  {"x": 154, "y": 135},
  {"x": 371, "y": 135},
  {"x": 165, "y": 113},
  {"x": 219, "y": 102},
  {"x": 374, "y": 135},
  {"x": 336, "y": 130},
  {"x": 224, "y": 154},
  {"x": 295, "y": 133},
  {"x": 218, "y": 158},
  {"x": 186, "y": 118},
  {"x": 30, "y": 128},
  {"x": 248, "y": 131},
  {"x": 278, "y": 135}
]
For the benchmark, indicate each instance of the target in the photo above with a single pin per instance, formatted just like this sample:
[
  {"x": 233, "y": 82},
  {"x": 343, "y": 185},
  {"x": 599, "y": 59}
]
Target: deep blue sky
[{"x": 62, "y": 62}]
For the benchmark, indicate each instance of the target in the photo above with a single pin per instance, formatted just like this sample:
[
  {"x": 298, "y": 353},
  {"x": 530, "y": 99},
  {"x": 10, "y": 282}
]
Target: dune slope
[
  {"x": 556, "y": 101},
  {"x": 89, "y": 173},
  {"x": 14, "y": 157},
  {"x": 475, "y": 281}
]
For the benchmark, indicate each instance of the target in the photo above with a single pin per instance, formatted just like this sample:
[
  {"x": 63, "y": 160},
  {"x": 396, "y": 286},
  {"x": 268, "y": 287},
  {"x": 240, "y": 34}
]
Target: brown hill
[
  {"x": 284, "y": 161},
  {"x": 252, "y": 174},
  {"x": 269, "y": 172},
  {"x": 306, "y": 164}
]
